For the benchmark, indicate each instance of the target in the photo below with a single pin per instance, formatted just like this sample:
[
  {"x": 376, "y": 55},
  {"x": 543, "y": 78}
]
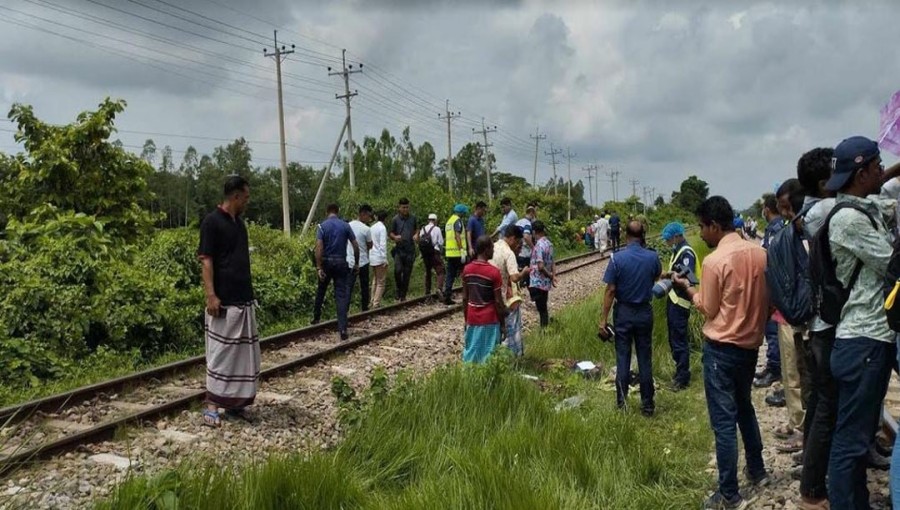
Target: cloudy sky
[{"x": 733, "y": 92}]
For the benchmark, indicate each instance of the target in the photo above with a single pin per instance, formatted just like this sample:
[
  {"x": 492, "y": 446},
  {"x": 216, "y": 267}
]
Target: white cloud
[{"x": 733, "y": 97}]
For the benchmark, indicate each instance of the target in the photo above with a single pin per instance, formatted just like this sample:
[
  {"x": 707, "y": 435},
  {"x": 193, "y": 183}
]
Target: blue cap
[
  {"x": 849, "y": 156},
  {"x": 671, "y": 230},
  {"x": 460, "y": 209}
]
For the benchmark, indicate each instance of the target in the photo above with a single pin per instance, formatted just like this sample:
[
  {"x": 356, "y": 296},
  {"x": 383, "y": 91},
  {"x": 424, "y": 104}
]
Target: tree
[
  {"x": 660, "y": 201},
  {"x": 148, "y": 153},
  {"x": 74, "y": 169},
  {"x": 691, "y": 194}
]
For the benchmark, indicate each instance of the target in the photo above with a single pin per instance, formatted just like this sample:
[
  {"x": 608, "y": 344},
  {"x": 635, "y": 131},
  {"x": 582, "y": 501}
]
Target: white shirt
[
  {"x": 601, "y": 228},
  {"x": 363, "y": 238},
  {"x": 378, "y": 253},
  {"x": 437, "y": 238}
]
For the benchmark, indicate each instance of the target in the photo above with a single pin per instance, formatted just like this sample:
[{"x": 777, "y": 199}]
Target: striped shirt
[{"x": 481, "y": 280}]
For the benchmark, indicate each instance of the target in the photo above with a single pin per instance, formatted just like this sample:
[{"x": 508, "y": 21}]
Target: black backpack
[
  {"x": 426, "y": 248},
  {"x": 829, "y": 294},
  {"x": 787, "y": 276}
]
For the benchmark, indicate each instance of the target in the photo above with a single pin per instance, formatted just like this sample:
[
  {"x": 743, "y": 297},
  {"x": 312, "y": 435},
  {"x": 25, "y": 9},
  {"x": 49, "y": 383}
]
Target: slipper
[
  {"x": 783, "y": 432},
  {"x": 789, "y": 447},
  {"x": 239, "y": 414},
  {"x": 211, "y": 418}
]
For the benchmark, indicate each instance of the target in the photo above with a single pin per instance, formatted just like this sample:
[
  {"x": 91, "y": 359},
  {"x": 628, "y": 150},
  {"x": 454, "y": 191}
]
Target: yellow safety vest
[
  {"x": 451, "y": 249},
  {"x": 674, "y": 297}
]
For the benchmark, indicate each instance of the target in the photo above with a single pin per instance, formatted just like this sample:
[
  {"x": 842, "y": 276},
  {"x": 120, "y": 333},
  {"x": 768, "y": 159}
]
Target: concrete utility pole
[
  {"x": 646, "y": 197},
  {"x": 346, "y": 71},
  {"x": 553, "y": 153},
  {"x": 614, "y": 182},
  {"x": 590, "y": 169},
  {"x": 449, "y": 116},
  {"x": 487, "y": 163},
  {"x": 280, "y": 54},
  {"x": 569, "y": 157},
  {"x": 325, "y": 174},
  {"x": 634, "y": 185},
  {"x": 537, "y": 140}
]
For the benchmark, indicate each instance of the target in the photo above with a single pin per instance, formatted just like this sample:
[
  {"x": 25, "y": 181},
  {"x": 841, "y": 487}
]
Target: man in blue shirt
[
  {"x": 678, "y": 307},
  {"x": 475, "y": 227},
  {"x": 332, "y": 237},
  {"x": 629, "y": 281},
  {"x": 614, "y": 224},
  {"x": 772, "y": 372},
  {"x": 509, "y": 217}
]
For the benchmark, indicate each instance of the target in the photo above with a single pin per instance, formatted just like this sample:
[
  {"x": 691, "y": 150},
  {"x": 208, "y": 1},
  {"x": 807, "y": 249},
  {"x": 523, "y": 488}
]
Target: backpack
[
  {"x": 892, "y": 289},
  {"x": 787, "y": 276},
  {"x": 829, "y": 293},
  {"x": 426, "y": 248}
]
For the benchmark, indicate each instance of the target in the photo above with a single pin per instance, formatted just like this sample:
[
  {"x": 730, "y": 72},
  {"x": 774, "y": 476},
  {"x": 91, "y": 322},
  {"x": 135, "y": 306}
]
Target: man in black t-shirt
[
  {"x": 405, "y": 234},
  {"x": 232, "y": 339}
]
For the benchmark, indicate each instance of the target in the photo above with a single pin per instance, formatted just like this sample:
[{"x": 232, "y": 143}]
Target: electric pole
[
  {"x": 569, "y": 157},
  {"x": 280, "y": 54},
  {"x": 646, "y": 197},
  {"x": 537, "y": 137},
  {"x": 346, "y": 71},
  {"x": 634, "y": 185},
  {"x": 449, "y": 116},
  {"x": 487, "y": 162},
  {"x": 590, "y": 169},
  {"x": 553, "y": 153},
  {"x": 614, "y": 182}
]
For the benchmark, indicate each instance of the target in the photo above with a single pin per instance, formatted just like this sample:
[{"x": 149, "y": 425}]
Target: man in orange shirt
[{"x": 735, "y": 303}]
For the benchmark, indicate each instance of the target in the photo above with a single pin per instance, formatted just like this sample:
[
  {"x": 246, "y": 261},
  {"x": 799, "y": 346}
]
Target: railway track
[{"x": 42, "y": 428}]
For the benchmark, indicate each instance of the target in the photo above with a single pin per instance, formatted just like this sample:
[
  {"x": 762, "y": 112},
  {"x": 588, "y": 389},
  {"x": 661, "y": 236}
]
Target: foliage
[
  {"x": 75, "y": 168},
  {"x": 692, "y": 192}
]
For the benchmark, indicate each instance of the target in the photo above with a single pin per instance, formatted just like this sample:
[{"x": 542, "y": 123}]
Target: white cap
[{"x": 432, "y": 216}]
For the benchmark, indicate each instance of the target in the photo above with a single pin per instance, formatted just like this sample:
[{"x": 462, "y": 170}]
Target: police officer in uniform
[
  {"x": 678, "y": 307},
  {"x": 455, "y": 248},
  {"x": 629, "y": 280}
]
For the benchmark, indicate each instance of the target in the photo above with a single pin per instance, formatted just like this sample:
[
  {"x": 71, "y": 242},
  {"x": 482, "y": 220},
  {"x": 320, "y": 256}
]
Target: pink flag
[{"x": 889, "y": 136}]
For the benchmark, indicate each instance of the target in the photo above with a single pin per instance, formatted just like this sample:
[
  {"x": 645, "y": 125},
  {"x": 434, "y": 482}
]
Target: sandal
[
  {"x": 211, "y": 418},
  {"x": 783, "y": 432},
  {"x": 239, "y": 414}
]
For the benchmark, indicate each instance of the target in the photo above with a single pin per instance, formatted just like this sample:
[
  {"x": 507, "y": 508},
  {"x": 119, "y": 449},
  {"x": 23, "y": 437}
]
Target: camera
[
  {"x": 663, "y": 286},
  {"x": 606, "y": 334}
]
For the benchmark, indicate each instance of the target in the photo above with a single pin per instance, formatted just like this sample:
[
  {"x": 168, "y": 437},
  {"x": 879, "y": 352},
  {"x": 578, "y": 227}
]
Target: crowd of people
[
  {"x": 495, "y": 269},
  {"x": 812, "y": 289}
]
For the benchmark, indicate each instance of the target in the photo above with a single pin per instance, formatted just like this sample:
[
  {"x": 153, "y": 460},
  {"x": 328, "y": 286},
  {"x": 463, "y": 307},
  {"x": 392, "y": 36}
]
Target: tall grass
[{"x": 480, "y": 437}]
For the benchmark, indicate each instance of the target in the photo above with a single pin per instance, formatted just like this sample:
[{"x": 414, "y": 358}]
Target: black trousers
[
  {"x": 539, "y": 297},
  {"x": 821, "y": 413},
  {"x": 454, "y": 270},
  {"x": 403, "y": 266},
  {"x": 363, "y": 287}
]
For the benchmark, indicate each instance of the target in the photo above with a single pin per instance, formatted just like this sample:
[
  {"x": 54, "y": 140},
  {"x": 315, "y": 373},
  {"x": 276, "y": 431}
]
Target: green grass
[{"x": 480, "y": 437}]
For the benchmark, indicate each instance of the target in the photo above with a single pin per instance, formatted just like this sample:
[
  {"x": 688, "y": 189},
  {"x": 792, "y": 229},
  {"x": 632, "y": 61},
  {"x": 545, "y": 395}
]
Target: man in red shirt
[{"x": 484, "y": 305}]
